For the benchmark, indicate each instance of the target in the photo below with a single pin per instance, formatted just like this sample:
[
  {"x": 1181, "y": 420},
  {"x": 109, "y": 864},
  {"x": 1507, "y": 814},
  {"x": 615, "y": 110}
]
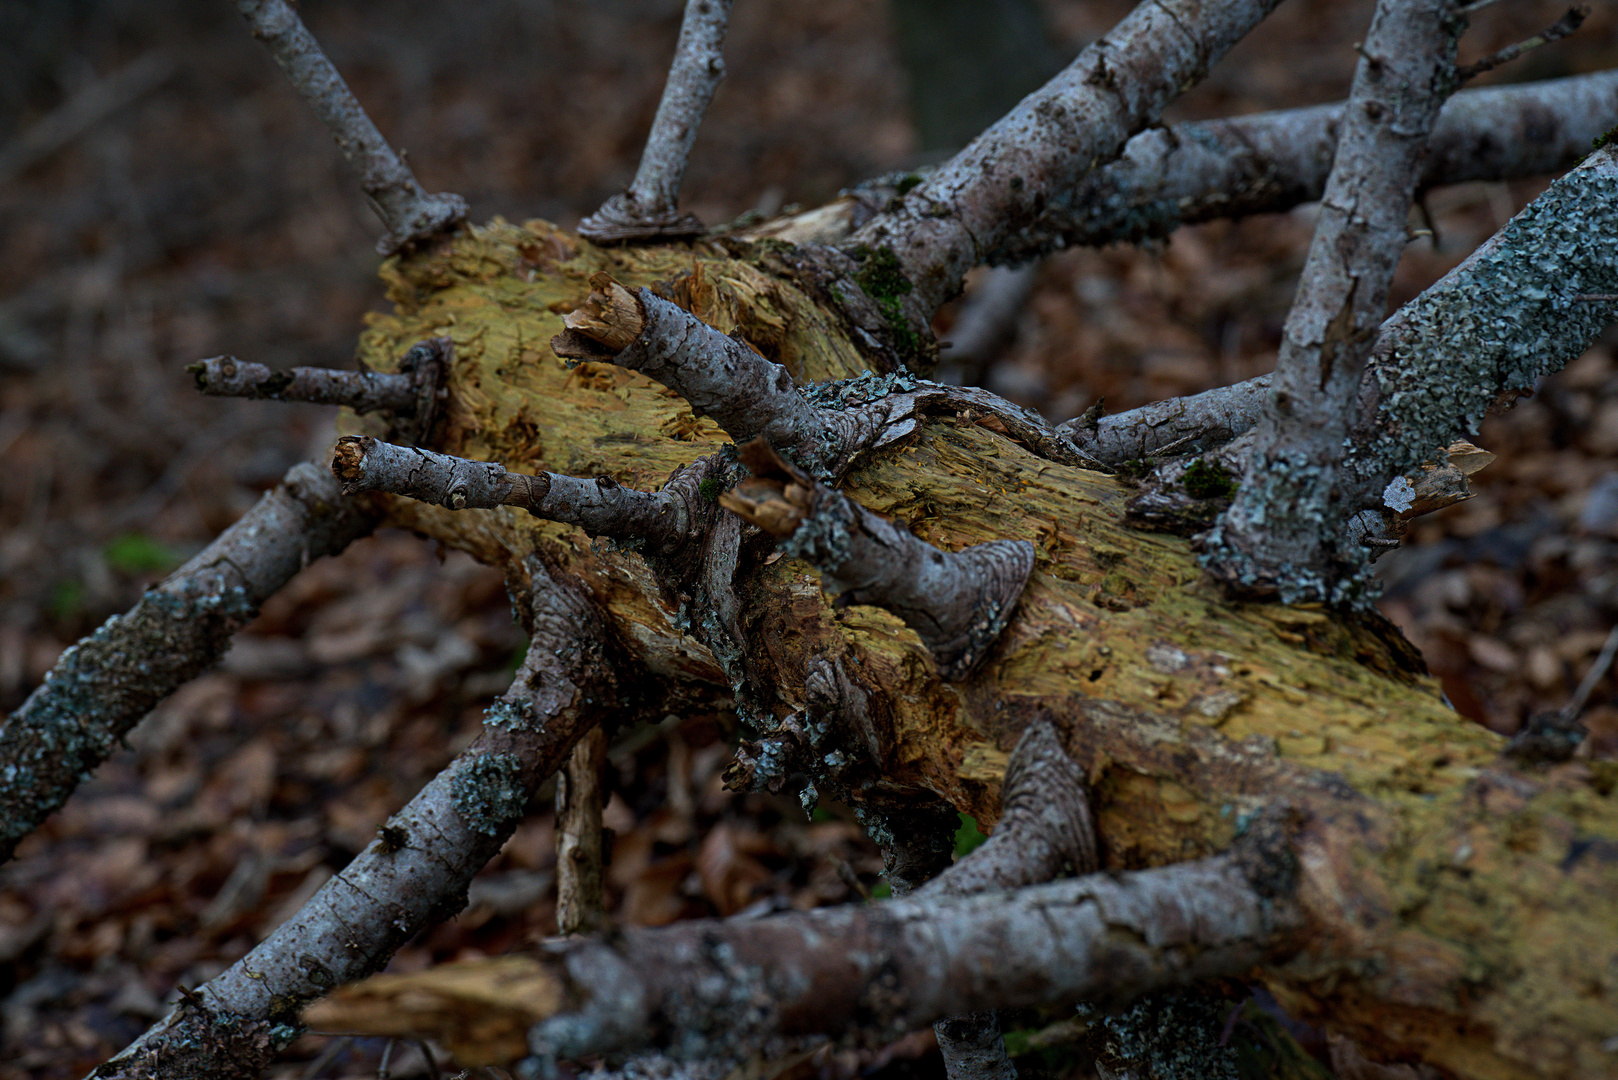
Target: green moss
[
  {"x": 907, "y": 184},
  {"x": 1205, "y": 479},
  {"x": 135, "y": 553},
  {"x": 882, "y": 277},
  {"x": 710, "y": 488}
]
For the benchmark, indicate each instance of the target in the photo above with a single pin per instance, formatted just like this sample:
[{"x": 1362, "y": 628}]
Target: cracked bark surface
[{"x": 102, "y": 687}]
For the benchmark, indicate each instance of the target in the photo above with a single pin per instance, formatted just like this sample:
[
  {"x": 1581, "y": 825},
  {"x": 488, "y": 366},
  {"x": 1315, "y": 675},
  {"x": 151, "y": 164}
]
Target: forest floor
[{"x": 205, "y": 213}]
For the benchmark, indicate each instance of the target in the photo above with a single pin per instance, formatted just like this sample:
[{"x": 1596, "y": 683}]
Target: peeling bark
[
  {"x": 413, "y": 875},
  {"x": 649, "y": 209},
  {"x": 410, "y": 214},
  {"x": 107, "y": 683},
  {"x": 580, "y": 899}
]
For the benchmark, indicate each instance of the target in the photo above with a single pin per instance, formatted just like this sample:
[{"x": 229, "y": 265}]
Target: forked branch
[
  {"x": 1078, "y": 121},
  {"x": 409, "y": 213},
  {"x": 1283, "y": 533},
  {"x": 649, "y": 210}
]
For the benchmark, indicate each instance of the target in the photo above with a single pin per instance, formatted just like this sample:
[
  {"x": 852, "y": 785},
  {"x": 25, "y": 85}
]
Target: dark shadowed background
[{"x": 165, "y": 197}]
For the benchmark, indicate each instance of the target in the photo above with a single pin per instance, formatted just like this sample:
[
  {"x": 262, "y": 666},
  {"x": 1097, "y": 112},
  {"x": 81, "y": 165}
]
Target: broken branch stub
[
  {"x": 649, "y": 209},
  {"x": 957, "y": 602}
]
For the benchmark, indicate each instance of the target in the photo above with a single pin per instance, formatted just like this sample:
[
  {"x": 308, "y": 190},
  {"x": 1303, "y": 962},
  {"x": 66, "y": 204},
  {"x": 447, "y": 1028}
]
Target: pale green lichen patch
[
  {"x": 1523, "y": 309},
  {"x": 489, "y": 792}
]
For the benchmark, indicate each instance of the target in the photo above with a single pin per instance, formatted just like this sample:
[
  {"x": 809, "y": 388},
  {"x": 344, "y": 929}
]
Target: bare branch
[
  {"x": 1282, "y": 534},
  {"x": 409, "y": 213},
  {"x": 1271, "y": 162},
  {"x": 413, "y": 875},
  {"x": 649, "y": 209},
  {"x": 957, "y": 603},
  {"x": 1561, "y": 28},
  {"x": 414, "y": 392},
  {"x": 1076, "y": 122},
  {"x": 107, "y": 683},
  {"x": 823, "y": 428},
  {"x": 871, "y": 971},
  {"x": 1510, "y": 313},
  {"x": 663, "y": 520}
]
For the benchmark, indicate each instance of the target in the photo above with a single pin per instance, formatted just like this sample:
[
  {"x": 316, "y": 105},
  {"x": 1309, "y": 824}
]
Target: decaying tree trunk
[
  {"x": 1423, "y": 854},
  {"x": 1279, "y": 793}
]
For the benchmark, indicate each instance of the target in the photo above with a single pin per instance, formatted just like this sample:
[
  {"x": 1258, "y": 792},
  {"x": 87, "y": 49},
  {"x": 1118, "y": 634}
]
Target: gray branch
[
  {"x": 1078, "y": 121},
  {"x": 665, "y": 520},
  {"x": 413, "y": 875},
  {"x": 1282, "y": 534},
  {"x": 1045, "y": 826},
  {"x": 409, "y": 213},
  {"x": 649, "y": 209},
  {"x": 1271, "y": 162},
  {"x": 875, "y": 971},
  {"x": 107, "y": 683}
]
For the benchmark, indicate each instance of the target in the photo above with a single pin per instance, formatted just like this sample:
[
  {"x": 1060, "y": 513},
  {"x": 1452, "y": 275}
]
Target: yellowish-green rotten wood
[{"x": 1465, "y": 911}]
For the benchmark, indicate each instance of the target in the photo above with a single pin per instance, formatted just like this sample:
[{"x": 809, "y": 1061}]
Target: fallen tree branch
[
  {"x": 1079, "y": 120},
  {"x": 107, "y": 683},
  {"x": 868, "y": 972},
  {"x": 1045, "y": 827},
  {"x": 414, "y": 874},
  {"x": 409, "y": 213},
  {"x": 649, "y": 210},
  {"x": 957, "y": 603},
  {"x": 1283, "y": 531}
]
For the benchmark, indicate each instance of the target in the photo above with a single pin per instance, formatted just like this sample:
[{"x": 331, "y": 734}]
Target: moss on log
[{"x": 1464, "y": 910}]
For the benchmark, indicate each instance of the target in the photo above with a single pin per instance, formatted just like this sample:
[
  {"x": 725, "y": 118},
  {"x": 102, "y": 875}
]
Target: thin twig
[
  {"x": 1561, "y": 28},
  {"x": 83, "y": 111},
  {"x": 409, "y": 213},
  {"x": 1587, "y": 685},
  {"x": 649, "y": 209}
]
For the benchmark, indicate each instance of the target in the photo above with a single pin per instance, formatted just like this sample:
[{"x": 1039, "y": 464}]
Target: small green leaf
[
  {"x": 135, "y": 553},
  {"x": 968, "y": 836}
]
